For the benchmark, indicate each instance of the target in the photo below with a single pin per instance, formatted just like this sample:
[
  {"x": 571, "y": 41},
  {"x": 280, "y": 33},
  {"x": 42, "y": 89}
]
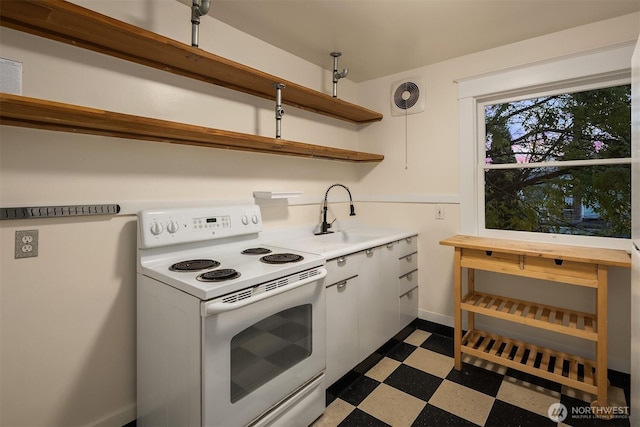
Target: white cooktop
[{"x": 168, "y": 236}]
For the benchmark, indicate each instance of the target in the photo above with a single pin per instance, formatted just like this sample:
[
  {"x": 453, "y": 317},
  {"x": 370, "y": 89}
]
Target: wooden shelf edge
[
  {"x": 609, "y": 257},
  {"x": 72, "y": 24},
  {"x": 515, "y": 271},
  {"x": 476, "y": 344},
  {"x": 520, "y": 311},
  {"x": 22, "y": 111}
]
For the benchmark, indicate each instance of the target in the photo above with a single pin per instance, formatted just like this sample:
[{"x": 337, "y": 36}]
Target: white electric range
[{"x": 231, "y": 331}]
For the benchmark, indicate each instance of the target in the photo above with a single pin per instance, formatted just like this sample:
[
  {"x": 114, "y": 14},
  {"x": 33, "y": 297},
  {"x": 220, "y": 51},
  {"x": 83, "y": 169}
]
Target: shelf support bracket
[
  {"x": 198, "y": 9},
  {"x": 279, "y": 109}
]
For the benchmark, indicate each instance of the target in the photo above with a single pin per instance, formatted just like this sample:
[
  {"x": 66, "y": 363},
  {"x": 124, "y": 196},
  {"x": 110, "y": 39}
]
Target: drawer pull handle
[
  {"x": 390, "y": 245},
  {"x": 408, "y": 275},
  {"x": 489, "y": 253},
  {"x": 408, "y": 257},
  {"x": 342, "y": 260},
  {"x": 369, "y": 251},
  {"x": 343, "y": 283},
  {"x": 558, "y": 261}
]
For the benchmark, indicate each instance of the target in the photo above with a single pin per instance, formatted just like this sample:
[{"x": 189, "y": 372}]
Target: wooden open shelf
[
  {"x": 570, "y": 370},
  {"x": 570, "y": 322},
  {"x": 40, "y": 114},
  {"x": 69, "y": 23}
]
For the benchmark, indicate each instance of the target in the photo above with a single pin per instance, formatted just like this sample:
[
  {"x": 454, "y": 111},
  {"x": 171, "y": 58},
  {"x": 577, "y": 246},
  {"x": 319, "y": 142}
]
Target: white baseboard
[
  {"x": 117, "y": 418},
  {"x": 438, "y": 318}
]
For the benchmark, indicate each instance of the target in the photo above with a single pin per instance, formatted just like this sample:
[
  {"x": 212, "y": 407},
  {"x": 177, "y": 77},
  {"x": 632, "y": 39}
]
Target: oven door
[{"x": 260, "y": 345}]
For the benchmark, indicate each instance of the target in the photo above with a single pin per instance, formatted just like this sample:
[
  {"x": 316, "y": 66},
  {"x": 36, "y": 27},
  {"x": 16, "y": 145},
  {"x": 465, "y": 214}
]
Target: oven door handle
[{"x": 218, "y": 306}]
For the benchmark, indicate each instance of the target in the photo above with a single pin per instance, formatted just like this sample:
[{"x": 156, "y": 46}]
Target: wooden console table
[{"x": 574, "y": 265}]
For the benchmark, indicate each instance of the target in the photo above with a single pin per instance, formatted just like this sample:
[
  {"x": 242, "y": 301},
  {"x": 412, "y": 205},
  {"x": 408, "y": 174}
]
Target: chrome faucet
[{"x": 325, "y": 226}]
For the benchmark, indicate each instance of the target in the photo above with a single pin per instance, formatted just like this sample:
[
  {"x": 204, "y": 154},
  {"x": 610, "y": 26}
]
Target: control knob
[
  {"x": 245, "y": 220},
  {"x": 173, "y": 226},
  {"x": 254, "y": 219},
  {"x": 156, "y": 228}
]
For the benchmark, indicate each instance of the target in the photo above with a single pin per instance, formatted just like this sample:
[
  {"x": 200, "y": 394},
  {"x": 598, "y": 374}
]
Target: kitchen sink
[
  {"x": 343, "y": 237},
  {"x": 344, "y": 242},
  {"x": 337, "y": 243}
]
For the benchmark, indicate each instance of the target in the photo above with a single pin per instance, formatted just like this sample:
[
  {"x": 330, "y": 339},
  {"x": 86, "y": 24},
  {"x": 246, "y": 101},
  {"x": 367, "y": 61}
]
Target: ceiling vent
[{"x": 407, "y": 97}]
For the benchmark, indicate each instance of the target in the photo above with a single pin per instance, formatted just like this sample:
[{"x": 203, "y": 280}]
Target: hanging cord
[{"x": 406, "y": 138}]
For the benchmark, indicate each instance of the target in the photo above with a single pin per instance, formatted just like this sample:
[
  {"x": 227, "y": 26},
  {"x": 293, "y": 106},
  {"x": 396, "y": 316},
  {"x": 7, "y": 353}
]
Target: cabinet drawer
[
  {"x": 490, "y": 260},
  {"x": 343, "y": 267},
  {"x": 558, "y": 269},
  {"x": 408, "y": 305},
  {"x": 407, "y": 263},
  {"x": 407, "y": 282},
  {"x": 407, "y": 246}
]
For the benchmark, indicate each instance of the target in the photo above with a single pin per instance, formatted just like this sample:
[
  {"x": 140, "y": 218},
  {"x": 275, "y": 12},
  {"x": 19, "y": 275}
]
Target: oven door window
[{"x": 269, "y": 347}]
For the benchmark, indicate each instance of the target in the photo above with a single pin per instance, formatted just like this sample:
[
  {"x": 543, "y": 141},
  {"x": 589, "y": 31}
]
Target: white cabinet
[
  {"x": 370, "y": 303},
  {"x": 378, "y": 290},
  {"x": 371, "y": 295},
  {"x": 407, "y": 291},
  {"x": 342, "y": 315},
  {"x": 342, "y": 328}
]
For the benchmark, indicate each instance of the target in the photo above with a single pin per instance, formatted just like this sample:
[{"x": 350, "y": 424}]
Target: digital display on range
[{"x": 212, "y": 222}]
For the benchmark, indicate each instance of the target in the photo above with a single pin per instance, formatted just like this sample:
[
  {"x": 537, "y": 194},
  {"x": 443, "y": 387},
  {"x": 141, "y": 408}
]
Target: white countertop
[{"x": 352, "y": 238}]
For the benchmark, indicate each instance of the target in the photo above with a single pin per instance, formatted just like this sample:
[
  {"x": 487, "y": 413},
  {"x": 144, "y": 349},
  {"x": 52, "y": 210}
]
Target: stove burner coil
[
  {"x": 256, "y": 251},
  {"x": 219, "y": 275},
  {"x": 194, "y": 265},
  {"x": 281, "y": 258}
]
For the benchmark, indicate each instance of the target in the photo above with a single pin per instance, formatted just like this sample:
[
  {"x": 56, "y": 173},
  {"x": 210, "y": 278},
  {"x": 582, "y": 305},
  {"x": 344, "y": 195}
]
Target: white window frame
[{"x": 594, "y": 69}]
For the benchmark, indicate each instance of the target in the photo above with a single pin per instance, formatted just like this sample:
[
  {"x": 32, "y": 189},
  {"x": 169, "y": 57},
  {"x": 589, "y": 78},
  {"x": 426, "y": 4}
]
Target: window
[
  {"x": 545, "y": 150},
  {"x": 560, "y": 163}
]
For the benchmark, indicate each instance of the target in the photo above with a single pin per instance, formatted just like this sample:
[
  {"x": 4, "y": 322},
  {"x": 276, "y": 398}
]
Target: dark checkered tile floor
[{"x": 412, "y": 382}]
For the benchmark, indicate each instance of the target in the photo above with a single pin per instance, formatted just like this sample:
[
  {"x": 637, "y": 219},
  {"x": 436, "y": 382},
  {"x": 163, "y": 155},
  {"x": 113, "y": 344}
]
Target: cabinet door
[
  {"x": 379, "y": 304},
  {"x": 370, "y": 300},
  {"x": 389, "y": 305},
  {"x": 342, "y": 328}
]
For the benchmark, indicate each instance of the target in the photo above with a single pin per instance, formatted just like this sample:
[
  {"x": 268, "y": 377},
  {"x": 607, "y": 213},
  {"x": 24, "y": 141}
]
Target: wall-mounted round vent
[{"x": 407, "y": 97}]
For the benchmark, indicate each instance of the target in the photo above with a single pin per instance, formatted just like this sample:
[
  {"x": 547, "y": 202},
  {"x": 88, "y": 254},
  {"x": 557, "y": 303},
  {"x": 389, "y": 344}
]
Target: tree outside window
[{"x": 560, "y": 164}]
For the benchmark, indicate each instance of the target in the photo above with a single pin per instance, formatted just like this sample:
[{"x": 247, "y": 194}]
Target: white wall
[
  {"x": 67, "y": 317},
  {"x": 67, "y": 350},
  {"x": 432, "y": 176}
]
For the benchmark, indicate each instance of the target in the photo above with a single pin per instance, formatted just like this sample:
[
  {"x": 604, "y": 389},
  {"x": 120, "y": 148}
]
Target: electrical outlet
[
  {"x": 26, "y": 243},
  {"x": 439, "y": 212}
]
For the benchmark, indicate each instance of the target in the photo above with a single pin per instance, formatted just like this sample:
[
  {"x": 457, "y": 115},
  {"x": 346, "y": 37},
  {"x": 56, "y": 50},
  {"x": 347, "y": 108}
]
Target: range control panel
[{"x": 183, "y": 225}]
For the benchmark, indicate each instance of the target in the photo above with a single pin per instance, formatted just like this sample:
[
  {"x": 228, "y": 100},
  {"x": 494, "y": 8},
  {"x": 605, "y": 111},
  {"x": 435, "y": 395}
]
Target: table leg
[
  {"x": 471, "y": 287},
  {"x": 457, "y": 312},
  {"x": 601, "y": 345}
]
